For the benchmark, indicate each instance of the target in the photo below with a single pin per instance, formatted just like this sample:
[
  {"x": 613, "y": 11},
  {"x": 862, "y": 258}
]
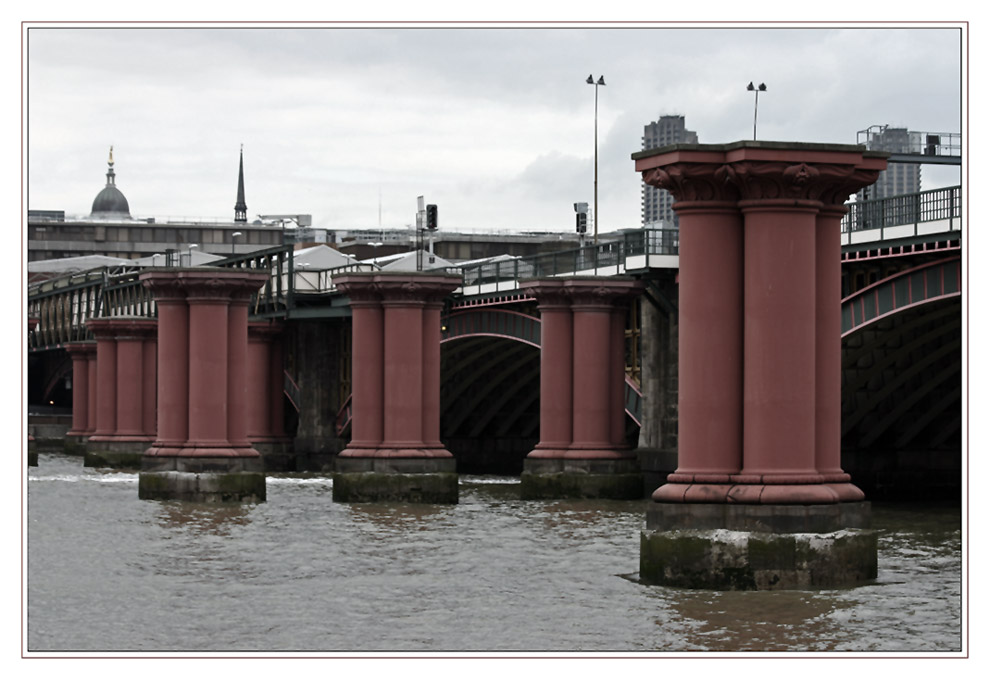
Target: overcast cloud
[{"x": 494, "y": 125}]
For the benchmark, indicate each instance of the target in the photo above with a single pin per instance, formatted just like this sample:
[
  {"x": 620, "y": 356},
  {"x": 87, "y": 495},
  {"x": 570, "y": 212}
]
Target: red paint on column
[
  {"x": 431, "y": 374},
  {"x": 592, "y": 365},
  {"x": 367, "y": 371},
  {"x": 259, "y": 377},
  {"x": 130, "y": 385},
  {"x": 93, "y": 380},
  {"x": 403, "y": 374},
  {"x": 106, "y": 376},
  {"x": 710, "y": 346},
  {"x": 207, "y": 371},
  {"x": 237, "y": 367},
  {"x": 617, "y": 377},
  {"x": 556, "y": 369},
  {"x": 828, "y": 344},
  {"x": 149, "y": 397},
  {"x": 173, "y": 376},
  {"x": 779, "y": 338},
  {"x": 80, "y": 353}
]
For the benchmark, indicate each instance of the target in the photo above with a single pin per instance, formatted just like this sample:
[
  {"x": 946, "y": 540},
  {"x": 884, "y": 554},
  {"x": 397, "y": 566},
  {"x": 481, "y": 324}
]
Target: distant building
[
  {"x": 899, "y": 178},
  {"x": 111, "y": 231},
  {"x": 657, "y": 202}
]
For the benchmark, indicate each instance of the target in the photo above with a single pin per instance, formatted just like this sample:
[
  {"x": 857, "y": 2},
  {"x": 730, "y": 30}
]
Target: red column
[
  {"x": 403, "y": 374},
  {"x": 556, "y": 369},
  {"x": 367, "y": 367},
  {"x": 173, "y": 379},
  {"x": 237, "y": 369},
  {"x": 617, "y": 377},
  {"x": 779, "y": 337},
  {"x": 80, "y": 353},
  {"x": 260, "y": 378},
  {"x": 207, "y": 367},
  {"x": 106, "y": 376},
  {"x": 93, "y": 380},
  {"x": 431, "y": 374},
  {"x": 149, "y": 397},
  {"x": 130, "y": 383},
  {"x": 592, "y": 431}
]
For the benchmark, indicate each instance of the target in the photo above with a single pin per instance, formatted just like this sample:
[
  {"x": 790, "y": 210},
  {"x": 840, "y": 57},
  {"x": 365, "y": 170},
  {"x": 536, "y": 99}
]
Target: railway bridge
[{"x": 94, "y": 345}]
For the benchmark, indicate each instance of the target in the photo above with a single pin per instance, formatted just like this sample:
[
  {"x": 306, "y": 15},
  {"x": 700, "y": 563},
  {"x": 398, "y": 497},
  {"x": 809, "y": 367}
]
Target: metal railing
[
  {"x": 605, "y": 258},
  {"x": 924, "y": 206}
]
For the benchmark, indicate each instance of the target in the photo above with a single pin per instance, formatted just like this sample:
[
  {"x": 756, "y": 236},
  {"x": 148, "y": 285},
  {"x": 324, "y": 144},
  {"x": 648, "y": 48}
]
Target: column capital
[
  {"x": 693, "y": 181},
  {"x": 115, "y": 327},
  {"x": 80, "y": 349},
  {"x": 203, "y": 283}
]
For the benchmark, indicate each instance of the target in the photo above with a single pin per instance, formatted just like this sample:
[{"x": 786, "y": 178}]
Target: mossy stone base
[
  {"x": 74, "y": 445},
  {"x": 546, "y": 478},
  {"x": 721, "y": 559},
  {"x": 114, "y": 459},
  {"x": 203, "y": 487},
  {"x": 375, "y": 487}
]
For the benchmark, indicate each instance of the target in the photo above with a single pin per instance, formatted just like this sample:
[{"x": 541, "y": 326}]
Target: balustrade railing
[{"x": 924, "y": 206}]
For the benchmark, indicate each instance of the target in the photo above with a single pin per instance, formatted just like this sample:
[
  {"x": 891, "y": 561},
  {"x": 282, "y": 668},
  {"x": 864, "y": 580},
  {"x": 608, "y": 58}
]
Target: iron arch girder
[{"x": 904, "y": 290}]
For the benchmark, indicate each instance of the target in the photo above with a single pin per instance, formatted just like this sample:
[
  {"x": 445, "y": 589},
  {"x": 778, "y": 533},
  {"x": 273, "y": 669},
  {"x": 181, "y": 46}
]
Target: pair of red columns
[
  {"x": 582, "y": 367},
  {"x": 203, "y": 390},
  {"x": 114, "y": 384},
  {"x": 396, "y": 364},
  {"x": 759, "y": 326}
]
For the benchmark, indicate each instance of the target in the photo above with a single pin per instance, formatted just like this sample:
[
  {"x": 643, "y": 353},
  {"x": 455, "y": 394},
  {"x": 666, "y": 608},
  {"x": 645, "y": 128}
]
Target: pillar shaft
[
  {"x": 149, "y": 397},
  {"x": 828, "y": 344},
  {"x": 617, "y": 378},
  {"x": 208, "y": 371},
  {"x": 130, "y": 385},
  {"x": 592, "y": 367},
  {"x": 237, "y": 369},
  {"x": 403, "y": 375},
  {"x": 431, "y": 374},
  {"x": 367, "y": 374},
  {"x": 173, "y": 379},
  {"x": 710, "y": 344},
  {"x": 92, "y": 381},
  {"x": 106, "y": 386},
  {"x": 80, "y": 353},
  {"x": 779, "y": 337},
  {"x": 556, "y": 369}
]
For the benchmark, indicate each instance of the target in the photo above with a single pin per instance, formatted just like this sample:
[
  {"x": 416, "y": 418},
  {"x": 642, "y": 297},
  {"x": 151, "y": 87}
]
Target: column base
[
  {"x": 75, "y": 444},
  {"x": 203, "y": 479},
  {"x": 117, "y": 454},
  {"x": 391, "y": 479},
  {"x": 614, "y": 478},
  {"x": 724, "y": 546},
  {"x": 277, "y": 453}
]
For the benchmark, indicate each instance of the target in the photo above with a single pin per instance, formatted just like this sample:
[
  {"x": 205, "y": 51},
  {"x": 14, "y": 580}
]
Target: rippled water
[{"x": 108, "y": 572}]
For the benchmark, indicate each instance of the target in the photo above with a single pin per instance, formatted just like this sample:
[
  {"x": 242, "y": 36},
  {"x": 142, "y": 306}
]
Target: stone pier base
[
  {"x": 235, "y": 479},
  {"x": 32, "y": 453},
  {"x": 115, "y": 454},
  {"x": 277, "y": 454},
  {"x": 410, "y": 480},
  {"x": 545, "y": 478},
  {"x": 75, "y": 445},
  {"x": 723, "y": 546}
]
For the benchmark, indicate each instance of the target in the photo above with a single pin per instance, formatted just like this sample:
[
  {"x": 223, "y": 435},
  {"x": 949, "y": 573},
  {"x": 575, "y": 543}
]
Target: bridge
[{"x": 901, "y": 274}]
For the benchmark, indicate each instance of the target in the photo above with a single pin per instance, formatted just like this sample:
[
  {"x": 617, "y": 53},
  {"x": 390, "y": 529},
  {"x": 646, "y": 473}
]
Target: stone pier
[
  {"x": 201, "y": 451},
  {"x": 395, "y": 453},
  {"x": 83, "y": 354},
  {"x": 125, "y": 391},
  {"x": 758, "y": 499},
  {"x": 582, "y": 451}
]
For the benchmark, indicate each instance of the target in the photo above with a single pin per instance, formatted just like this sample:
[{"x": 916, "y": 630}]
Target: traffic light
[
  {"x": 431, "y": 217},
  {"x": 582, "y": 223}
]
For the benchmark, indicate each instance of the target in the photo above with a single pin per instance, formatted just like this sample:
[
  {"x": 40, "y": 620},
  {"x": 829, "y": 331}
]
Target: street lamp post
[
  {"x": 591, "y": 81},
  {"x": 232, "y": 237},
  {"x": 756, "y": 89}
]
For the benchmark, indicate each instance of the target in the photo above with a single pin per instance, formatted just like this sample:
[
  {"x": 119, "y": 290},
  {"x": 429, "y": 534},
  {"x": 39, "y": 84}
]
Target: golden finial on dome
[{"x": 110, "y": 162}]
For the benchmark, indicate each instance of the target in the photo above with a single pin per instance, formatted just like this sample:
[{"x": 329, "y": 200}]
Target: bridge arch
[{"x": 902, "y": 381}]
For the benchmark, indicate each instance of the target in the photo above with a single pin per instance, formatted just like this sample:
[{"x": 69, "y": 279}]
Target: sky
[{"x": 495, "y": 125}]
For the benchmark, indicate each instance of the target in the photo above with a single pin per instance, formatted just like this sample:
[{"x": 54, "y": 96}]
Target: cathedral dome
[{"x": 110, "y": 202}]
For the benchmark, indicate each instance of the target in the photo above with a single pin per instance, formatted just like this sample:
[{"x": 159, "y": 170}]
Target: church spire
[
  {"x": 110, "y": 173},
  {"x": 240, "y": 208}
]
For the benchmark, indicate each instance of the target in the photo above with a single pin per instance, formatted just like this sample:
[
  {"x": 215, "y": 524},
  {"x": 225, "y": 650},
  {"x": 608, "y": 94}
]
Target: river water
[{"x": 107, "y": 572}]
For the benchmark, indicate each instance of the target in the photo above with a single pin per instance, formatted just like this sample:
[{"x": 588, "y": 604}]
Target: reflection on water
[{"x": 108, "y": 572}]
